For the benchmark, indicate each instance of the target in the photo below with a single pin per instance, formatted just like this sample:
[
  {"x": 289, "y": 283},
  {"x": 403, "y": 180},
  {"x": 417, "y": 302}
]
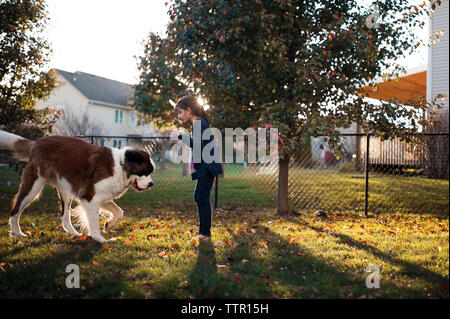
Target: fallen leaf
[{"x": 59, "y": 250}]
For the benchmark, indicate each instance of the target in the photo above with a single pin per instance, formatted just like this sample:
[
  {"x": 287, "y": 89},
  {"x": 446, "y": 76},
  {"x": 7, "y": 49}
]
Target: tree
[
  {"x": 72, "y": 123},
  {"x": 159, "y": 81},
  {"x": 297, "y": 65},
  {"x": 24, "y": 77}
]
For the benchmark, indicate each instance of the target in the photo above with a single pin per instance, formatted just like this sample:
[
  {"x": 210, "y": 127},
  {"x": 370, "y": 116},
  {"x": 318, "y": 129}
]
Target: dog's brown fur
[
  {"x": 54, "y": 156},
  {"x": 92, "y": 175}
]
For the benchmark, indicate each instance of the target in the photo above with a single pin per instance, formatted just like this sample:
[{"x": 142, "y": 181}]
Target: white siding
[
  {"x": 106, "y": 115},
  {"x": 438, "y": 79},
  {"x": 65, "y": 95},
  {"x": 70, "y": 98}
]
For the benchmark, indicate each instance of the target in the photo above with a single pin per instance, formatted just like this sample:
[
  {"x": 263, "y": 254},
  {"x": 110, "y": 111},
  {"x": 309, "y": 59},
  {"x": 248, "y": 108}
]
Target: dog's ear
[
  {"x": 137, "y": 163},
  {"x": 135, "y": 156}
]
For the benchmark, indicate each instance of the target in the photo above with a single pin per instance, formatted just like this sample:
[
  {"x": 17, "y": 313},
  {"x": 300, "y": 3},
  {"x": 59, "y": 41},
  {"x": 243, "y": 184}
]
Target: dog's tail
[{"x": 19, "y": 145}]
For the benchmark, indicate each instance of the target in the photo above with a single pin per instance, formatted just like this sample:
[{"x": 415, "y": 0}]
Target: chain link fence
[{"x": 358, "y": 173}]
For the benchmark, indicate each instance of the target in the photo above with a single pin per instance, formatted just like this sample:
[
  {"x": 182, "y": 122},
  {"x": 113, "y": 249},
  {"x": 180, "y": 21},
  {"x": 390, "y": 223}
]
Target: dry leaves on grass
[{"x": 164, "y": 254}]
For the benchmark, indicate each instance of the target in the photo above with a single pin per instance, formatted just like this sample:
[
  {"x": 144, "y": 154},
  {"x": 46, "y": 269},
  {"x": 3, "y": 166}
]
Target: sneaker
[{"x": 203, "y": 237}]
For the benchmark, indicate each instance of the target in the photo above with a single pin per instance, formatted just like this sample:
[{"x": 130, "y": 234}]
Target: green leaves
[
  {"x": 160, "y": 80},
  {"x": 23, "y": 71},
  {"x": 297, "y": 65}
]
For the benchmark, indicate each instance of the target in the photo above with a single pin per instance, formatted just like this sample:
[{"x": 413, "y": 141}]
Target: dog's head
[{"x": 139, "y": 166}]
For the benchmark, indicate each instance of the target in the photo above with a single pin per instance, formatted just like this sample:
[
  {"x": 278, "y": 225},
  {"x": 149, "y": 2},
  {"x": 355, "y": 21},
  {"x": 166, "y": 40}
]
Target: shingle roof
[{"x": 99, "y": 89}]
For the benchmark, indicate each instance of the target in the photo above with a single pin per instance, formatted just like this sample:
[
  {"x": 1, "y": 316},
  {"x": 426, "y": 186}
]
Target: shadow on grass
[
  {"x": 204, "y": 279},
  {"x": 36, "y": 277},
  {"x": 259, "y": 264},
  {"x": 411, "y": 270},
  {"x": 275, "y": 269}
]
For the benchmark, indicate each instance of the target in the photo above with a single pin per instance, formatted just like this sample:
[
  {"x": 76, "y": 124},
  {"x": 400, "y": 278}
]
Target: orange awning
[{"x": 404, "y": 88}]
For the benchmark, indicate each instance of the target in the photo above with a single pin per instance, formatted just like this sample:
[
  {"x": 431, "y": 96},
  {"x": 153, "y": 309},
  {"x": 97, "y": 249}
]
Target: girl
[{"x": 190, "y": 110}]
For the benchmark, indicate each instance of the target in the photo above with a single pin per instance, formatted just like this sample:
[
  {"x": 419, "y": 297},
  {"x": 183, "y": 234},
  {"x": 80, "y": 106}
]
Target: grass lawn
[{"x": 254, "y": 253}]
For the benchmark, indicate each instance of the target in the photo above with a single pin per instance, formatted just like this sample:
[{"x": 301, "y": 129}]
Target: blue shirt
[{"x": 214, "y": 168}]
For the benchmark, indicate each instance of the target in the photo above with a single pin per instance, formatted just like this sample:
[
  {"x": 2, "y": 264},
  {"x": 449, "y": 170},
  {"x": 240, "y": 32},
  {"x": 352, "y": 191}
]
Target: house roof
[
  {"x": 99, "y": 89},
  {"x": 412, "y": 85}
]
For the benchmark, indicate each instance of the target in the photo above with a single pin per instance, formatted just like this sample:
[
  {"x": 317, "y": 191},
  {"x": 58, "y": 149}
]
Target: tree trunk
[{"x": 283, "y": 179}]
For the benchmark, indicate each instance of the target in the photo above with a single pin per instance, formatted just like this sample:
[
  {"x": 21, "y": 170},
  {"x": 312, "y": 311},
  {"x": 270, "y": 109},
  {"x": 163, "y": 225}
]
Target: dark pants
[{"x": 201, "y": 196}]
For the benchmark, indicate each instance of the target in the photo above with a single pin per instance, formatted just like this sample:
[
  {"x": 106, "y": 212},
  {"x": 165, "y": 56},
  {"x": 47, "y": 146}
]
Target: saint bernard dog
[{"x": 91, "y": 175}]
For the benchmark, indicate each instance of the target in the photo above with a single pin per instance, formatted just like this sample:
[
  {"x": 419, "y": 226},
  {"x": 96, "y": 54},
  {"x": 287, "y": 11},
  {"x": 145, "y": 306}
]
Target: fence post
[{"x": 366, "y": 199}]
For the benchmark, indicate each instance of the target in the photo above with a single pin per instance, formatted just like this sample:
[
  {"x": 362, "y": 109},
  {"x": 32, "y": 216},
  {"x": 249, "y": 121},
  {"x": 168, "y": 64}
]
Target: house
[
  {"x": 431, "y": 82},
  {"x": 438, "y": 60},
  {"x": 428, "y": 81},
  {"x": 103, "y": 102}
]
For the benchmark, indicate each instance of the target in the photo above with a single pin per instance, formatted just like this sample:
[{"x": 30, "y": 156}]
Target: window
[
  {"x": 133, "y": 119},
  {"x": 115, "y": 143},
  {"x": 118, "y": 117}
]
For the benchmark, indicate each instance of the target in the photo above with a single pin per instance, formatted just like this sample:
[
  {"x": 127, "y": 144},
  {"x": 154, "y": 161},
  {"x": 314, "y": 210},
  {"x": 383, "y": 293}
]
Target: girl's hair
[{"x": 191, "y": 102}]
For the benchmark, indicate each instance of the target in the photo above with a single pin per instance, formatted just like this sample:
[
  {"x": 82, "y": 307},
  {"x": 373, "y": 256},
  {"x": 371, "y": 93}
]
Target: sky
[{"x": 102, "y": 37}]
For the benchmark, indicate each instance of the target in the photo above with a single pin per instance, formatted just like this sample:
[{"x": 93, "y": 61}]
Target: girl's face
[{"x": 184, "y": 115}]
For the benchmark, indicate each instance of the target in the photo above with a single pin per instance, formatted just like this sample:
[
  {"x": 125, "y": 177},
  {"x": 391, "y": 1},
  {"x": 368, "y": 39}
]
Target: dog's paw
[
  {"x": 21, "y": 234},
  {"x": 74, "y": 233},
  {"x": 99, "y": 239}
]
